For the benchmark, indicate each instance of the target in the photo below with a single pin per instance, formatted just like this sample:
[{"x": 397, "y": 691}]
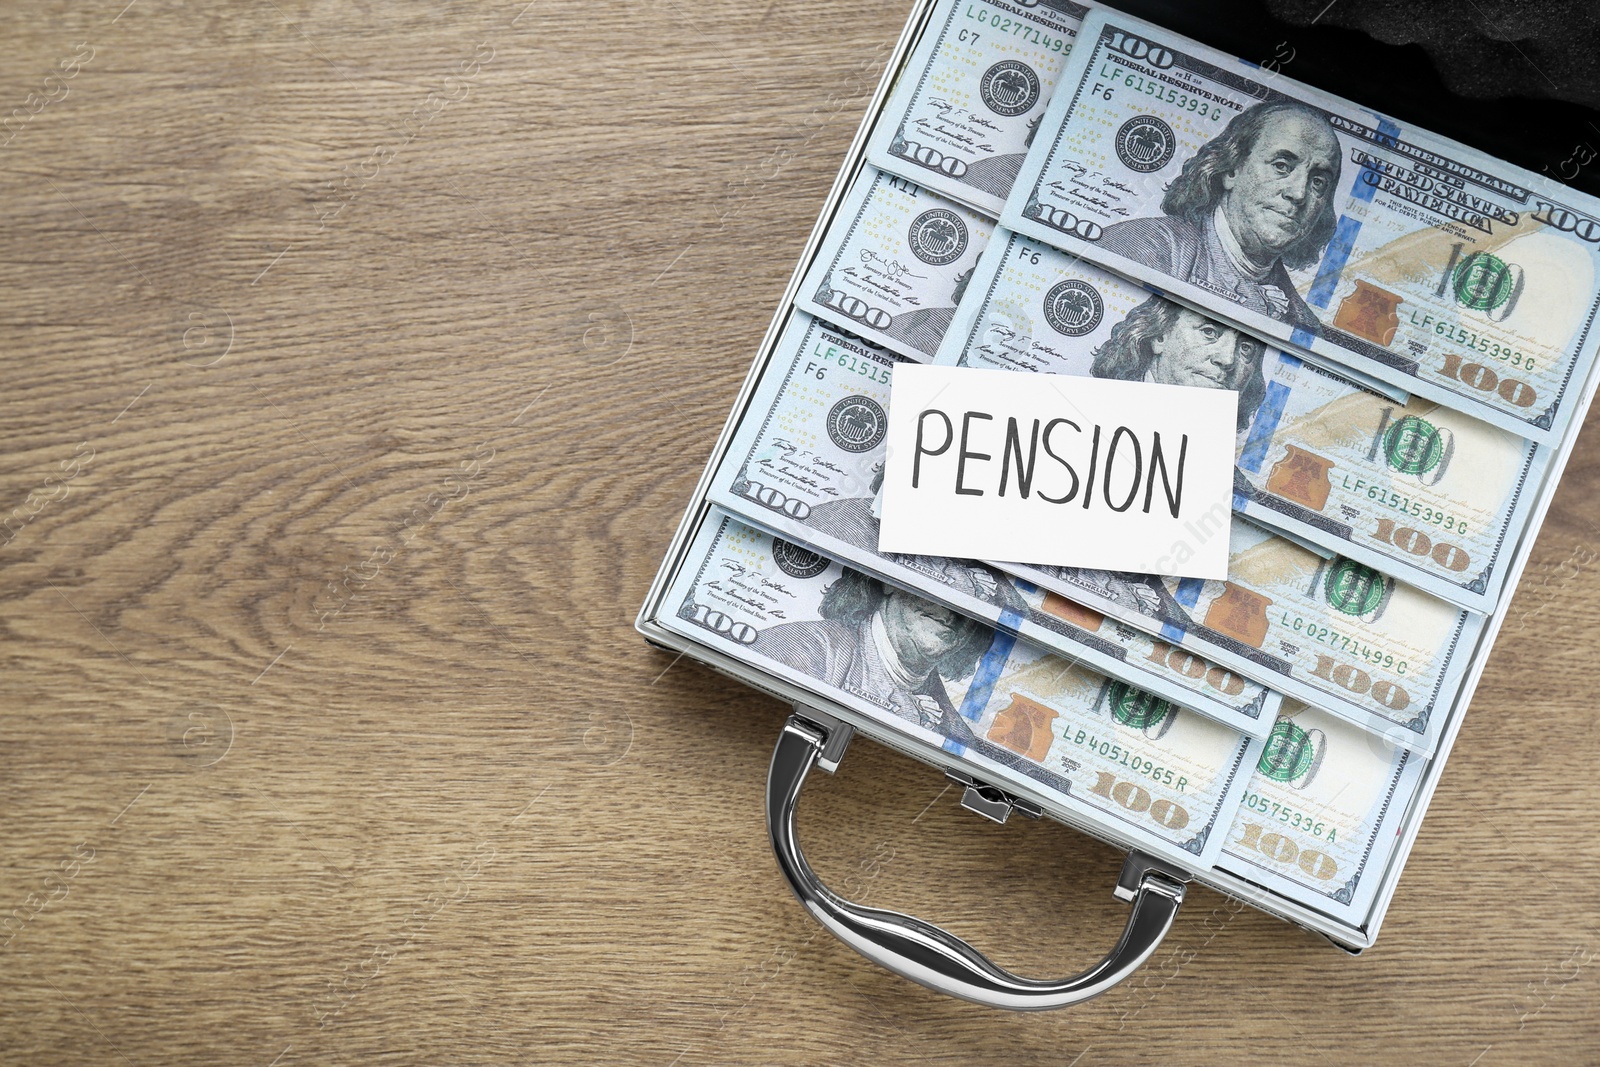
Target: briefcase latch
[
  {"x": 835, "y": 736},
  {"x": 992, "y": 802}
]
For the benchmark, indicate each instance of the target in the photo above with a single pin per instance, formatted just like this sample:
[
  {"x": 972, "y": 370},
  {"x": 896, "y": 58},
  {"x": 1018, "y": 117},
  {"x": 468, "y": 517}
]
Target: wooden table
[{"x": 358, "y": 362}]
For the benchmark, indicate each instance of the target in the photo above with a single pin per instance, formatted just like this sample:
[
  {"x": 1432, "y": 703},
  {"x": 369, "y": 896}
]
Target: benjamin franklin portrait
[
  {"x": 1163, "y": 342},
  {"x": 1253, "y": 203},
  {"x": 882, "y": 642}
]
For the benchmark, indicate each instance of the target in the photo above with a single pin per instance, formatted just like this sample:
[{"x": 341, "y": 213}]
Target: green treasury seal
[
  {"x": 1413, "y": 445},
  {"x": 1483, "y": 282},
  {"x": 1292, "y": 754},
  {"x": 1138, "y": 710},
  {"x": 1355, "y": 589}
]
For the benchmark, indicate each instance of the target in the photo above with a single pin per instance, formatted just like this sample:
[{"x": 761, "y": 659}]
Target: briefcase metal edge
[{"x": 1353, "y": 938}]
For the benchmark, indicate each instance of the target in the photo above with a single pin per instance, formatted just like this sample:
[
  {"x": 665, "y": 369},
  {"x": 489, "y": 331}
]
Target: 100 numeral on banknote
[
  {"x": 964, "y": 113},
  {"x": 895, "y": 264},
  {"x": 1334, "y": 633},
  {"x": 806, "y": 463},
  {"x": 1123, "y": 761},
  {"x": 1318, "y": 224},
  {"x": 1417, "y": 490}
]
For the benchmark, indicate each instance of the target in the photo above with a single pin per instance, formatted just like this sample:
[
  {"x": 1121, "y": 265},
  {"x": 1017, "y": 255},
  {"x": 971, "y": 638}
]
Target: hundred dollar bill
[
  {"x": 895, "y": 263},
  {"x": 1117, "y": 759},
  {"x": 1318, "y": 224},
  {"x": 1321, "y": 815},
  {"x": 1419, "y": 491},
  {"x": 1331, "y": 632},
  {"x": 964, "y": 113},
  {"x": 807, "y": 462}
]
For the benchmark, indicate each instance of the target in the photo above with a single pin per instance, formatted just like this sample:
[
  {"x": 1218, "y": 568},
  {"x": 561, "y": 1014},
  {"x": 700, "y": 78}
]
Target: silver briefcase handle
[{"x": 928, "y": 954}]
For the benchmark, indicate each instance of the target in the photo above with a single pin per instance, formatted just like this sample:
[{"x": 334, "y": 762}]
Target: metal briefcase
[{"x": 993, "y": 780}]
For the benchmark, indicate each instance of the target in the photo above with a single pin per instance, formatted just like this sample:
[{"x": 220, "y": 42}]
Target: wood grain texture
[{"x": 369, "y": 391}]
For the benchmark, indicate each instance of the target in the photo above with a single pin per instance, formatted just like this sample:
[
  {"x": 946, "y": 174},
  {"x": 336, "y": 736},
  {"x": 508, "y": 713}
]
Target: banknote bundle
[
  {"x": 1318, "y": 817},
  {"x": 895, "y": 264},
  {"x": 1331, "y": 632},
  {"x": 807, "y": 463},
  {"x": 1415, "y": 489},
  {"x": 1118, "y": 758},
  {"x": 1318, "y": 224},
  {"x": 1054, "y": 188},
  {"x": 963, "y": 116}
]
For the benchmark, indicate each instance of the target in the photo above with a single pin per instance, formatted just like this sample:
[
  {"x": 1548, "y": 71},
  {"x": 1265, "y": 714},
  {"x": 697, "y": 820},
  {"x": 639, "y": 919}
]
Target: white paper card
[{"x": 1059, "y": 471}]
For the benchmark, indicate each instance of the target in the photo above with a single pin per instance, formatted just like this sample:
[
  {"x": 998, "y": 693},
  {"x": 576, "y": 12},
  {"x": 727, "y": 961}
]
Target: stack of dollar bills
[{"x": 1055, "y": 188}]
